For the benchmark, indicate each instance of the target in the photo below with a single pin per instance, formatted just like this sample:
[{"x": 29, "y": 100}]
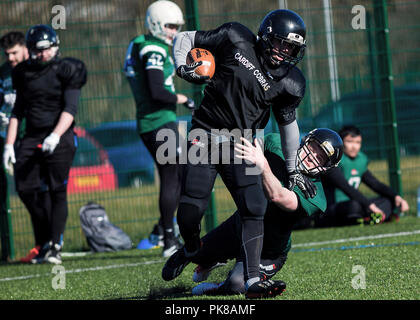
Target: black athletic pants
[
  {"x": 245, "y": 188},
  {"x": 170, "y": 176},
  {"x": 348, "y": 212},
  {"x": 41, "y": 182}
]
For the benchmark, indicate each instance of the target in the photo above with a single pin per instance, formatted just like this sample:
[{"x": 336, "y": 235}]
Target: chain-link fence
[{"x": 345, "y": 66}]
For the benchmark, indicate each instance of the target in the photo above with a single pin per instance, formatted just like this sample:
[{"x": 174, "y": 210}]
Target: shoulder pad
[
  {"x": 295, "y": 83},
  {"x": 240, "y": 33},
  {"x": 72, "y": 72},
  {"x": 150, "y": 47}
]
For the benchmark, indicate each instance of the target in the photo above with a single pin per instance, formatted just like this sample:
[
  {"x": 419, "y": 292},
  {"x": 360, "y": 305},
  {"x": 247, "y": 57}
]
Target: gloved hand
[
  {"x": 190, "y": 104},
  {"x": 50, "y": 143},
  {"x": 10, "y": 98},
  {"x": 9, "y": 158},
  {"x": 304, "y": 183},
  {"x": 187, "y": 72},
  {"x": 4, "y": 120}
]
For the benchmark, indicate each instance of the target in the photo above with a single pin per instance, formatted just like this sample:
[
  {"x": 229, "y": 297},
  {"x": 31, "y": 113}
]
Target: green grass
[{"x": 315, "y": 272}]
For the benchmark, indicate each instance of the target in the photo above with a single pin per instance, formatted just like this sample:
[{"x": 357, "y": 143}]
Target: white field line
[
  {"x": 378, "y": 236},
  {"x": 114, "y": 266}
]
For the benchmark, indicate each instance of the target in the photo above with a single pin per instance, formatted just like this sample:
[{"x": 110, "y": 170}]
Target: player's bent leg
[
  {"x": 198, "y": 182},
  {"x": 386, "y": 206},
  {"x": 189, "y": 216},
  {"x": 219, "y": 245}
]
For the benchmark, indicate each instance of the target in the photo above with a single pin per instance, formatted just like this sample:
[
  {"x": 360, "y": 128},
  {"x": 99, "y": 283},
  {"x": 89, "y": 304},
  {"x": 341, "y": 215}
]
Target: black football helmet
[
  {"x": 40, "y": 37},
  {"x": 282, "y": 34},
  {"x": 329, "y": 141}
]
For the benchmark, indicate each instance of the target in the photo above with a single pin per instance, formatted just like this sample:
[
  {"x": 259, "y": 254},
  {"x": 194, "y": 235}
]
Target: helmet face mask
[
  {"x": 319, "y": 151},
  {"x": 282, "y": 34},
  {"x": 280, "y": 50},
  {"x": 164, "y": 20}
]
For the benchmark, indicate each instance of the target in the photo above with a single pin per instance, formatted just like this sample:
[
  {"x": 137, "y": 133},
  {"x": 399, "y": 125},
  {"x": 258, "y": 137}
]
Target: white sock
[{"x": 250, "y": 282}]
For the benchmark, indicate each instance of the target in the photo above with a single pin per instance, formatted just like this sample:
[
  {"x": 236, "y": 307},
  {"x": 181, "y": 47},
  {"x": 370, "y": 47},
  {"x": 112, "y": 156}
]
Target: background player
[
  {"x": 14, "y": 48},
  {"x": 252, "y": 74},
  {"x": 48, "y": 90},
  {"x": 346, "y": 204},
  {"x": 150, "y": 70},
  {"x": 320, "y": 151}
]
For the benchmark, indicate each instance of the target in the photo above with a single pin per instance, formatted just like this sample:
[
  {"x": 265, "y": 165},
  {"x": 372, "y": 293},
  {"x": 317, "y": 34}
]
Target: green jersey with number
[
  {"x": 147, "y": 52},
  {"x": 278, "y": 224},
  {"x": 353, "y": 170}
]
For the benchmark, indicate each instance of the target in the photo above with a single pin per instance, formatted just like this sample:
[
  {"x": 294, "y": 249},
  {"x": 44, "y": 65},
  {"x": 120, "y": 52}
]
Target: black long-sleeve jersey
[
  {"x": 244, "y": 87},
  {"x": 45, "y": 91}
]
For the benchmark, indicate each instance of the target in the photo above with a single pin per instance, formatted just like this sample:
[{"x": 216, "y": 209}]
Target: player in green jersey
[
  {"x": 149, "y": 69},
  {"x": 319, "y": 151},
  {"x": 346, "y": 204}
]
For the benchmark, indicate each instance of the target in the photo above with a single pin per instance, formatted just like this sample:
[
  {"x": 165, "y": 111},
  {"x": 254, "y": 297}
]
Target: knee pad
[
  {"x": 252, "y": 202},
  {"x": 188, "y": 214}
]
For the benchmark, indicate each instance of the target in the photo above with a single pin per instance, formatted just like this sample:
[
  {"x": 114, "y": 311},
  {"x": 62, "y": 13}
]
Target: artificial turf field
[{"x": 322, "y": 265}]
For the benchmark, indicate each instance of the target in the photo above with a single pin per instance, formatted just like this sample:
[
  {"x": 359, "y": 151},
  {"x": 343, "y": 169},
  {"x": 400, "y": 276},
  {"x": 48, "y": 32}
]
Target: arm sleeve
[
  {"x": 71, "y": 100},
  {"x": 183, "y": 43},
  {"x": 377, "y": 186},
  {"x": 335, "y": 178},
  {"x": 155, "y": 82},
  {"x": 290, "y": 143}
]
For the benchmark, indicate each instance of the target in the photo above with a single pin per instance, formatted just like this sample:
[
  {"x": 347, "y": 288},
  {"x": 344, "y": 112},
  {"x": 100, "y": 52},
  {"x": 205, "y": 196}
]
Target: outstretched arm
[{"x": 274, "y": 190}]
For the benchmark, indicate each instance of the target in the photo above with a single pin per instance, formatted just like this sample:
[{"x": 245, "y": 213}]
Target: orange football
[{"x": 208, "y": 66}]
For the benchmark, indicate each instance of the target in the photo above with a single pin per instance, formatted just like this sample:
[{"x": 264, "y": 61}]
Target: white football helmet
[{"x": 159, "y": 15}]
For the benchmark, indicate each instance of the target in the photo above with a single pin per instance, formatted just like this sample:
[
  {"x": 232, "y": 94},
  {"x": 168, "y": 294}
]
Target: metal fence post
[{"x": 387, "y": 93}]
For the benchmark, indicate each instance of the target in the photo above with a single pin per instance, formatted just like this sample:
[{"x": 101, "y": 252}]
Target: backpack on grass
[{"x": 101, "y": 234}]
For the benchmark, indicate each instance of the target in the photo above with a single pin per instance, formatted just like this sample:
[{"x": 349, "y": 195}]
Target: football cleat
[
  {"x": 40, "y": 257},
  {"x": 372, "y": 219},
  {"x": 201, "y": 273},
  {"x": 265, "y": 289},
  {"x": 171, "y": 246},
  {"x": 206, "y": 288},
  {"x": 175, "y": 265},
  {"x": 54, "y": 254},
  {"x": 31, "y": 255}
]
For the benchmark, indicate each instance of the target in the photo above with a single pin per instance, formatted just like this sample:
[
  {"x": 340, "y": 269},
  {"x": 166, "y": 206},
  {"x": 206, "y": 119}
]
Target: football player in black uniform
[
  {"x": 48, "y": 90},
  {"x": 253, "y": 75}
]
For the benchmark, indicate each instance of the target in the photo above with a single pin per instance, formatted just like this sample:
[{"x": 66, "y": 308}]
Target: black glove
[
  {"x": 187, "y": 72},
  {"x": 190, "y": 104},
  {"x": 304, "y": 183}
]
